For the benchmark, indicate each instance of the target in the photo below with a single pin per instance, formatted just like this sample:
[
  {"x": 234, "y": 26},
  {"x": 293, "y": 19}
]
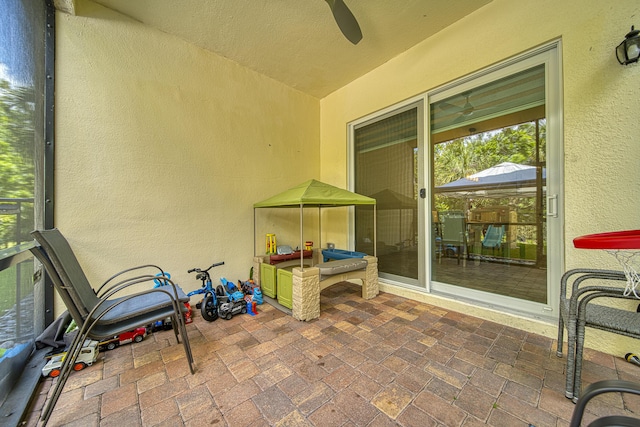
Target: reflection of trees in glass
[
  {"x": 17, "y": 109},
  {"x": 462, "y": 157},
  {"x": 465, "y": 156}
]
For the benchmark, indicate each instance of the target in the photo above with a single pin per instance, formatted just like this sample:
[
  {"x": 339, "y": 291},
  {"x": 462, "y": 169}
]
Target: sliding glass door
[
  {"x": 495, "y": 163},
  {"x": 385, "y": 167},
  {"x": 469, "y": 194}
]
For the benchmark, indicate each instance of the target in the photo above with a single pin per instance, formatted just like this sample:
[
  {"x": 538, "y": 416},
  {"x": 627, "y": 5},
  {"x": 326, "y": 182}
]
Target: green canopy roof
[{"x": 315, "y": 193}]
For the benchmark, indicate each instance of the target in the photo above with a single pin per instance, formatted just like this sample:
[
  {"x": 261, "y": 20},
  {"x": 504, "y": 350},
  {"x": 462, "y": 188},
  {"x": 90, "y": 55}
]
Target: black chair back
[{"x": 68, "y": 269}]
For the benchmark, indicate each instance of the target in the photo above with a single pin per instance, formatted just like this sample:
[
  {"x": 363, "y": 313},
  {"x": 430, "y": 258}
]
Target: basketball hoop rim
[{"x": 626, "y": 239}]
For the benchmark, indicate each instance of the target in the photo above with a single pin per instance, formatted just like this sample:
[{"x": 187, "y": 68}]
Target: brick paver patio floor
[{"x": 388, "y": 361}]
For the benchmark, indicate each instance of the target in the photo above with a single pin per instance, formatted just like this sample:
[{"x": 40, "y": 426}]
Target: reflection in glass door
[
  {"x": 488, "y": 187},
  {"x": 385, "y": 167}
]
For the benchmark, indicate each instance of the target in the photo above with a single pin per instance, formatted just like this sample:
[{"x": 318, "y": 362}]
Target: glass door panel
[
  {"x": 385, "y": 165},
  {"x": 488, "y": 187}
]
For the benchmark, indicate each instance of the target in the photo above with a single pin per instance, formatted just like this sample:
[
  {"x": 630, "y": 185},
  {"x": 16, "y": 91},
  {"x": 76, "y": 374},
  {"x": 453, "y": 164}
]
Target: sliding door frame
[{"x": 550, "y": 55}]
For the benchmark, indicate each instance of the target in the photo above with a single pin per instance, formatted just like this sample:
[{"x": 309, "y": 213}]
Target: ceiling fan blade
[
  {"x": 345, "y": 20},
  {"x": 447, "y": 106},
  {"x": 465, "y": 111}
]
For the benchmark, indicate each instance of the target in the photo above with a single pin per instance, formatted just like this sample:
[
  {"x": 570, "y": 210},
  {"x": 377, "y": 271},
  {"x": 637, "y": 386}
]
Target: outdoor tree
[
  {"x": 16, "y": 158},
  {"x": 462, "y": 157}
]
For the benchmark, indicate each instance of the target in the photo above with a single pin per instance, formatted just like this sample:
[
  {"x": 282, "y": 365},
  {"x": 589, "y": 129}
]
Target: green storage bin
[
  {"x": 268, "y": 284},
  {"x": 285, "y": 287}
]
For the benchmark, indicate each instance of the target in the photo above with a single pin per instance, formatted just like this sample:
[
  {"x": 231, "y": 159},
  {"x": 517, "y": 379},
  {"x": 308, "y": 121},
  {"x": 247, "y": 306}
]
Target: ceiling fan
[
  {"x": 465, "y": 111},
  {"x": 345, "y": 20}
]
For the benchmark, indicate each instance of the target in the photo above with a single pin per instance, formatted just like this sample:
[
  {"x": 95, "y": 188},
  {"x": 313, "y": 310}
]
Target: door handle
[{"x": 552, "y": 206}]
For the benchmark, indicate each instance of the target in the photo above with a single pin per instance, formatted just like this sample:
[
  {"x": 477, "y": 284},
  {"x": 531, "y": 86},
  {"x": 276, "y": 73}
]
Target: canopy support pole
[
  {"x": 375, "y": 239},
  {"x": 301, "y": 239},
  {"x": 319, "y": 232}
]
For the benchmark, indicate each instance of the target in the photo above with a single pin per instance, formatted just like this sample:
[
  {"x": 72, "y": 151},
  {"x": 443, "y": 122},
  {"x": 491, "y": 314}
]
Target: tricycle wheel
[
  {"x": 208, "y": 310},
  {"x": 220, "y": 291}
]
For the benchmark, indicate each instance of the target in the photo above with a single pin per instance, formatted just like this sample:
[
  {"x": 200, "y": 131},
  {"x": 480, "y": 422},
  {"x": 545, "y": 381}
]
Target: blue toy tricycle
[{"x": 209, "y": 304}]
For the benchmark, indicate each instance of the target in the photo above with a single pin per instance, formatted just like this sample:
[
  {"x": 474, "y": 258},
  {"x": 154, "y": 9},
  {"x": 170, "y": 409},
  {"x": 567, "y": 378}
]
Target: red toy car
[{"x": 136, "y": 335}]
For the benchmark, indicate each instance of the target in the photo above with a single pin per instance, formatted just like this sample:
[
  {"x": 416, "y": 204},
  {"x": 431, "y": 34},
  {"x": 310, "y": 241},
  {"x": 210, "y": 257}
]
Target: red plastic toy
[{"x": 137, "y": 335}]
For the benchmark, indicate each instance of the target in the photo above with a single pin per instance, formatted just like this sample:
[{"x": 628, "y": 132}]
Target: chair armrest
[
  {"x": 618, "y": 294},
  {"x": 91, "y": 321},
  {"x": 597, "y": 388},
  {"x": 128, "y": 270},
  {"x": 119, "y": 286},
  {"x": 175, "y": 301},
  {"x": 166, "y": 289},
  {"x": 587, "y": 274}
]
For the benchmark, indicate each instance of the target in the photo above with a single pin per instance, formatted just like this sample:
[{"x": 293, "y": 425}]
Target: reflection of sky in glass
[{"x": 15, "y": 40}]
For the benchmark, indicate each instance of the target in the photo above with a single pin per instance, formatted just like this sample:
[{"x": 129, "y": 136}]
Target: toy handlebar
[{"x": 218, "y": 264}]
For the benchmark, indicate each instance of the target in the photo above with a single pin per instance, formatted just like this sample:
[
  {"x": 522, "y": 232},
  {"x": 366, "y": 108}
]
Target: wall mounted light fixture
[{"x": 628, "y": 51}]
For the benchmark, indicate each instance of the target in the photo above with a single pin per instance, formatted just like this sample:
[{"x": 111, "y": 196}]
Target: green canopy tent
[{"x": 314, "y": 193}]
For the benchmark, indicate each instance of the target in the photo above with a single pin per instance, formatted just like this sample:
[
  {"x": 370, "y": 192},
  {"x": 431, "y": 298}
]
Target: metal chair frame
[
  {"x": 454, "y": 232},
  {"x": 569, "y": 311},
  {"x": 605, "y": 318},
  {"x": 100, "y": 321},
  {"x": 598, "y": 388}
]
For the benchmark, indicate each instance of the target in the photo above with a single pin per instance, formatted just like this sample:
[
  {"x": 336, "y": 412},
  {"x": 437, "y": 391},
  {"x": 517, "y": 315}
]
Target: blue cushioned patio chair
[
  {"x": 103, "y": 314},
  {"x": 493, "y": 237}
]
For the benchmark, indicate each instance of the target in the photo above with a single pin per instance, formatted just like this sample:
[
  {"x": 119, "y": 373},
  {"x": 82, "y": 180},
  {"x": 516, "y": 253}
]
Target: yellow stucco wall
[
  {"x": 601, "y": 107},
  {"x": 162, "y": 148}
]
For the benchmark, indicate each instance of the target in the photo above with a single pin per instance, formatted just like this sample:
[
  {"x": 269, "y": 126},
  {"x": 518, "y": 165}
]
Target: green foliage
[
  {"x": 466, "y": 156},
  {"x": 15, "y": 284},
  {"x": 17, "y": 136}
]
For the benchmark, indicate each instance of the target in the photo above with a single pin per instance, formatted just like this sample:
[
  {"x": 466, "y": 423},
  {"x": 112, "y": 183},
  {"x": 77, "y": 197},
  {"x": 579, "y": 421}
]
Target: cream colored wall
[
  {"x": 601, "y": 104},
  {"x": 162, "y": 148}
]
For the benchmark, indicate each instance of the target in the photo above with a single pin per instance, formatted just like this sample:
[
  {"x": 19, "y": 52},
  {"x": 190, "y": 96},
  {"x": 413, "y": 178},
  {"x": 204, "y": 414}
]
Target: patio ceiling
[{"x": 297, "y": 42}]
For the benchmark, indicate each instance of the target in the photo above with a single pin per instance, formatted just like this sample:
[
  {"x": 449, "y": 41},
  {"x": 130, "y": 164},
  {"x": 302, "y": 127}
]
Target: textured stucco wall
[
  {"x": 601, "y": 110},
  {"x": 162, "y": 148}
]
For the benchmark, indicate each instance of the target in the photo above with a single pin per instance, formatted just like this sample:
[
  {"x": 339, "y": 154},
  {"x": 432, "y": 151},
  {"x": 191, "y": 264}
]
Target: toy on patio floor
[
  {"x": 137, "y": 335},
  {"x": 88, "y": 354},
  {"x": 252, "y": 308},
  {"x": 231, "y": 300},
  {"x": 251, "y": 291},
  {"x": 161, "y": 325},
  {"x": 209, "y": 303},
  {"x": 187, "y": 314},
  {"x": 257, "y": 295},
  {"x": 632, "y": 358},
  {"x": 246, "y": 287}
]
